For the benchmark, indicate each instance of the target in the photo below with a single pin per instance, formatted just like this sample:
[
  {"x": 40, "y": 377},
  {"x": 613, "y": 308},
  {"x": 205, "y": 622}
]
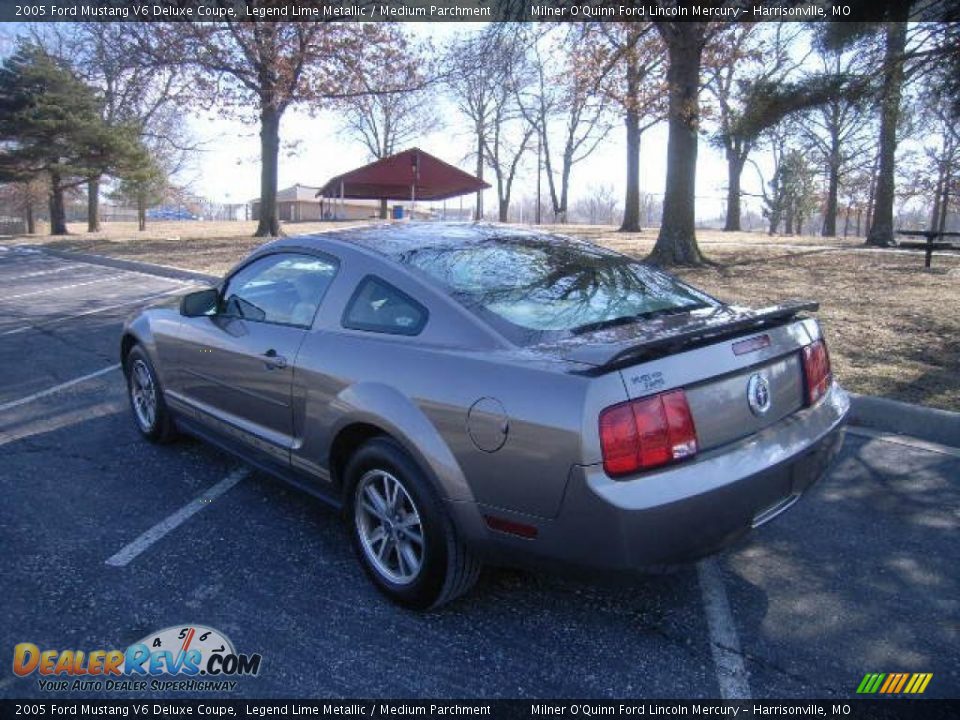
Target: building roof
[
  {"x": 297, "y": 192},
  {"x": 411, "y": 172}
]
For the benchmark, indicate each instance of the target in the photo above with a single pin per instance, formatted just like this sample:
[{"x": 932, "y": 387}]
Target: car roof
[{"x": 394, "y": 240}]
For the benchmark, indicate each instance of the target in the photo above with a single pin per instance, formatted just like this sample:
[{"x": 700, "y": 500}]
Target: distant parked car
[
  {"x": 170, "y": 214},
  {"x": 473, "y": 393}
]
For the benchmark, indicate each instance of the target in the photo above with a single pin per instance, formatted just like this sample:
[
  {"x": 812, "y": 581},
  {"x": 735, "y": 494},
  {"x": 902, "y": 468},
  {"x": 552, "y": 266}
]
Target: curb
[
  {"x": 923, "y": 423},
  {"x": 134, "y": 266}
]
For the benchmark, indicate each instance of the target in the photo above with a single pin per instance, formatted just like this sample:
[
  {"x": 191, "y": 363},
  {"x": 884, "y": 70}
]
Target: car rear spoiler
[{"x": 727, "y": 323}]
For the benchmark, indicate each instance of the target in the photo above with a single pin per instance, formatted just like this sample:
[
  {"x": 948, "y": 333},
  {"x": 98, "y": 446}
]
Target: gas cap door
[{"x": 488, "y": 424}]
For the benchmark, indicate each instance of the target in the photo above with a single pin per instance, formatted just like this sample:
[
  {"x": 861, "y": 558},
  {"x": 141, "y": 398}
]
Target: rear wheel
[
  {"x": 403, "y": 536},
  {"x": 150, "y": 412}
]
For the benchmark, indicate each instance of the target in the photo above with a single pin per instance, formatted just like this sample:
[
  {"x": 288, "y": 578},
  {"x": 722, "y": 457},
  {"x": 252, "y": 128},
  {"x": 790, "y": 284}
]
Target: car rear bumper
[{"x": 683, "y": 512}]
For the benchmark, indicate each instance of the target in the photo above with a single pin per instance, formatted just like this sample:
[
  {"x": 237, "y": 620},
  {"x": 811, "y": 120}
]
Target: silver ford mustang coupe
[{"x": 473, "y": 393}]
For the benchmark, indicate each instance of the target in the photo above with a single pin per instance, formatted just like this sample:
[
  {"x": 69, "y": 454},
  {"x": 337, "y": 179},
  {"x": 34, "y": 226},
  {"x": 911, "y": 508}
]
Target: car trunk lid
[{"x": 740, "y": 369}]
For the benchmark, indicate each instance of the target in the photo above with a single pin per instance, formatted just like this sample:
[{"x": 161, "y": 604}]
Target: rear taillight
[
  {"x": 647, "y": 433},
  {"x": 816, "y": 370}
]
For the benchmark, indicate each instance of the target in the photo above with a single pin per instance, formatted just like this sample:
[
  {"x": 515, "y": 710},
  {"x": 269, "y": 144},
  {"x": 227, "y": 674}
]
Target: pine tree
[{"x": 51, "y": 124}]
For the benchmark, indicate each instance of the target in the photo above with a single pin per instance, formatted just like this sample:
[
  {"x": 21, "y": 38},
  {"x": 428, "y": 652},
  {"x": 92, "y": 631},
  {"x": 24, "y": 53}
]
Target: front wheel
[
  {"x": 150, "y": 412},
  {"x": 402, "y": 534}
]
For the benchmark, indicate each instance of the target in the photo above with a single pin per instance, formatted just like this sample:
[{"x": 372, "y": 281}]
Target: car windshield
[{"x": 544, "y": 284}]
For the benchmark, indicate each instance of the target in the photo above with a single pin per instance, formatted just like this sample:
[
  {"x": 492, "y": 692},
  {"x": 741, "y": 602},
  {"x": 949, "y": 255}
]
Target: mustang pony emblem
[{"x": 758, "y": 395}]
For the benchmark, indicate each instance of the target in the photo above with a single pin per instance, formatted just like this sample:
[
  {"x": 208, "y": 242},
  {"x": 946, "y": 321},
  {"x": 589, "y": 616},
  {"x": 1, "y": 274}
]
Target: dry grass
[
  {"x": 893, "y": 328},
  {"x": 210, "y": 247}
]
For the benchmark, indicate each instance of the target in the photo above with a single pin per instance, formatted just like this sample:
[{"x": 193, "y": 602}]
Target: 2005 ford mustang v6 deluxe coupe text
[{"x": 472, "y": 393}]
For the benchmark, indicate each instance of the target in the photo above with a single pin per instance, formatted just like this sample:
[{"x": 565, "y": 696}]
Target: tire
[
  {"x": 382, "y": 530},
  {"x": 152, "y": 418}
]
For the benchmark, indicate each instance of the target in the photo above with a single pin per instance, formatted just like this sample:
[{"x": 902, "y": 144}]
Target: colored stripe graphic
[
  {"x": 903, "y": 681},
  {"x": 894, "y": 683},
  {"x": 870, "y": 683}
]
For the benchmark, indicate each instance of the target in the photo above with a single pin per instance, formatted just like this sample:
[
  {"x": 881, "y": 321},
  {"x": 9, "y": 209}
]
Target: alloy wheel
[
  {"x": 389, "y": 527},
  {"x": 143, "y": 393}
]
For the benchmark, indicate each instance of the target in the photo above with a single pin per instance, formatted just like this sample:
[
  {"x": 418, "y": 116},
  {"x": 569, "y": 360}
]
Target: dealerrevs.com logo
[{"x": 178, "y": 658}]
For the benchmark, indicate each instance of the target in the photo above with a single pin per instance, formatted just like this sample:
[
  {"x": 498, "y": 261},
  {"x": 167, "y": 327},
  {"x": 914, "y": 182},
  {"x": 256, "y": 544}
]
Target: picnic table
[{"x": 930, "y": 246}]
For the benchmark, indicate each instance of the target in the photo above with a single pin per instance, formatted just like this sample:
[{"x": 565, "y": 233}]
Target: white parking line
[
  {"x": 60, "y": 287},
  {"x": 57, "y": 388},
  {"x": 724, "y": 643},
  {"x": 53, "y": 321},
  {"x": 38, "y": 273},
  {"x": 171, "y": 522}
]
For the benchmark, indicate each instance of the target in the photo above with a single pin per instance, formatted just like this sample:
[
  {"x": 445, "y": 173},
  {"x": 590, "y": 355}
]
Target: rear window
[
  {"x": 377, "y": 306},
  {"x": 553, "y": 286}
]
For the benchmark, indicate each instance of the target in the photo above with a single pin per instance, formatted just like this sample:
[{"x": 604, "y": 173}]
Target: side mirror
[{"x": 200, "y": 303}]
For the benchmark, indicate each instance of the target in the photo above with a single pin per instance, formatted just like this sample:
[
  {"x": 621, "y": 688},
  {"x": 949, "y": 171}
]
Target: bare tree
[
  {"x": 838, "y": 129},
  {"x": 910, "y": 51},
  {"x": 626, "y": 61},
  {"x": 25, "y": 197},
  {"x": 385, "y": 122},
  {"x": 489, "y": 72},
  {"x": 941, "y": 151},
  {"x": 599, "y": 206},
  {"x": 740, "y": 58},
  {"x": 564, "y": 103},
  {"x": 473, "y": 84},
  {"x": 264, "y": 68}
]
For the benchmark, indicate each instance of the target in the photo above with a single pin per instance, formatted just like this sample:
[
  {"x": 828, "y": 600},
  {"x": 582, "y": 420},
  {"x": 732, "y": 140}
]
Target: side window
[
  {"x": 285, "y": 289},
  {"x": 377, "y": 306}
]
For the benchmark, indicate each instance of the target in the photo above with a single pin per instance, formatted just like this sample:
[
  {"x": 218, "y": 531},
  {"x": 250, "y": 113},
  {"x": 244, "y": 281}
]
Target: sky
[{"x": 228, "y": 168}]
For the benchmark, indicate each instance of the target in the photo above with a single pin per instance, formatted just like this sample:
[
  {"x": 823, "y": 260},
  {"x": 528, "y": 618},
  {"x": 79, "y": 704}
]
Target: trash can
[{"x": 398, "y": 212}]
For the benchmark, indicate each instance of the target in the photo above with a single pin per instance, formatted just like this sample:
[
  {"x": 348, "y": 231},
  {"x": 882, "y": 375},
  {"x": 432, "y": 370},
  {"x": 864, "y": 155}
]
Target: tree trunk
[
  {"x": 141, "y": 213},
  {"x": 881, "y": 225},
  {"x": 504, "y": 209},
  {"x": 846, "y": 221},
  {"x": 93, "y": 205},
  {"x": 677, "y": 242},
  {"x": 58, "y": 215},
  {"x": 631, "y": 200},
  {"x": 833, "y": 189},
  {"x": 478, "y": 211},
  {"x": 735, "y": 163},
  {"x": 384, "y": 210},
  {"x": 945, "y": 201},
  {"x": 565, "y": 189},
  {"x": 269, "y": 225},
  {"x": 29, "y": 219},
  {"x": 937, "y": 195}
]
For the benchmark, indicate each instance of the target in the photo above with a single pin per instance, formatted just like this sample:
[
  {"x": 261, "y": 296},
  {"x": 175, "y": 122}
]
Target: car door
[{"x": 236, "y": 365}]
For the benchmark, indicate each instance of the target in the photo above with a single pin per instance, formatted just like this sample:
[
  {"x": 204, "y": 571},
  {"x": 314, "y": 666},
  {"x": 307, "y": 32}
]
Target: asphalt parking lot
[{"x": 859, "y": 577}]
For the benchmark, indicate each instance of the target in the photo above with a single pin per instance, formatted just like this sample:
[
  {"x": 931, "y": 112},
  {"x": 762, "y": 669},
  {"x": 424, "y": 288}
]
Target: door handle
[{"x": 274, "y": 361}]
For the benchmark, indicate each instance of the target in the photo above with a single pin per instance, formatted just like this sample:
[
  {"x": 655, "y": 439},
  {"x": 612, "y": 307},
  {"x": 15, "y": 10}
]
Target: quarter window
[
  {"x": 285, "y": 289},
  {"x": 377, "y": 306}
]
